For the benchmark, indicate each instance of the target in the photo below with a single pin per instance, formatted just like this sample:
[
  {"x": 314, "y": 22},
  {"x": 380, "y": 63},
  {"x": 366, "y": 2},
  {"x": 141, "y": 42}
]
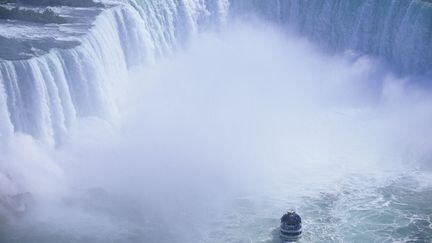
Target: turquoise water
[{"x": 361, "y": 211}]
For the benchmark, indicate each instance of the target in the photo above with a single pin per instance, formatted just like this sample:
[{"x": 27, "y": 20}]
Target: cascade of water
[
  {"x": 42, "y": 96},
  {"x": 398, "y": 31}
]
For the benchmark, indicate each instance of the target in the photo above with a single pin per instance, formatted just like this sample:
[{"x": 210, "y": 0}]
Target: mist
[{"x": 224, "y": 135}]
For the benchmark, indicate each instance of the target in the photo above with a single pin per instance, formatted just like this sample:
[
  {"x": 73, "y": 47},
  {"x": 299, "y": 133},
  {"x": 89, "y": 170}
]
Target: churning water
[{"x": 216, "y": 141}]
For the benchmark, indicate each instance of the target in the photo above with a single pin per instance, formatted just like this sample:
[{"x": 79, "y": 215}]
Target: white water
[
  {"x": 224, "y": 153},
  {"x": 44, "y": 95},
  {"x": 398, "y": 32},
  {"x": 220, "y": 138}
]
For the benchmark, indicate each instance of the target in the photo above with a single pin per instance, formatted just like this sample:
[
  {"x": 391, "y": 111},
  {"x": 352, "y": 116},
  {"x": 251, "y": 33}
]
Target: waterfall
[
  {"x": 119, "y": 117},
  {"x": 398, "y": 31},
  {"x": 43, "y": 95}
]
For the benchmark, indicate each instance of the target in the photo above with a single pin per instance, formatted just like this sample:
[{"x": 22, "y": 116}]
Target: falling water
[{"x": 203, "y": 120}]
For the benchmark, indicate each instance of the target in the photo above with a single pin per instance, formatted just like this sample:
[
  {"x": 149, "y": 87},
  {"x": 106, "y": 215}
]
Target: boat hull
[{"x": 290, "y": 234}]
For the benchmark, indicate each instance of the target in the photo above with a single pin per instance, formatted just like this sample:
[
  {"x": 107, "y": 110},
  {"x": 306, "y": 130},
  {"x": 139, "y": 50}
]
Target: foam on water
[{"x": 215, "y": 143}]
